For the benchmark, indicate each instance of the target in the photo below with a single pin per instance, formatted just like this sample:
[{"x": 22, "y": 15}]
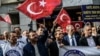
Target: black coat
[
  {"x": 83, "y": 41},
  {"x": 53, "y": 49},
  {"x": 1, "y": 52},
  {"x": 29, "y": 49},
  {"x": 66, "y": 39}
]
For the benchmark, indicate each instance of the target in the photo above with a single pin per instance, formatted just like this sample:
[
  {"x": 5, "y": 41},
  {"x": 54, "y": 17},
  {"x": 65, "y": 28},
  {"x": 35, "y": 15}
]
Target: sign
[
  {"x": 91, "y": 13},
  {"x": 68, "y": 3},
  {"x": 79, "y": 51},
  {"x": 8, "y": 1}
]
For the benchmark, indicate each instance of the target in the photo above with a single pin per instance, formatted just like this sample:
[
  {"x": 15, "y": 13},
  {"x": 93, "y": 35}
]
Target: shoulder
[{"x": 27, "y": 46}]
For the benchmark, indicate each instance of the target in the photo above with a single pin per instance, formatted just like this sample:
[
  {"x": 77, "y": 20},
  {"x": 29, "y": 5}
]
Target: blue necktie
[{"x": 73, "y": 43}]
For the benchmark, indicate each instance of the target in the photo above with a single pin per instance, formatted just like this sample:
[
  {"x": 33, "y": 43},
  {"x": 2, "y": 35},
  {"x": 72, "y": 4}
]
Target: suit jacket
[
  {"x": 1, "y": 52},
  {"x": 53, "y": 49},
  {"x": 83, "y": 41},
  {"x": 29, "y": 49},
  {"x": 66, "y": 39}
]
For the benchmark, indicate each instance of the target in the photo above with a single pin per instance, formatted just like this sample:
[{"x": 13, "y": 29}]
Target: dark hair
[
  {"x": 1, "y": 34},
  {"x": 12, "y": 32},
  {"x": 18, "y": 28}
]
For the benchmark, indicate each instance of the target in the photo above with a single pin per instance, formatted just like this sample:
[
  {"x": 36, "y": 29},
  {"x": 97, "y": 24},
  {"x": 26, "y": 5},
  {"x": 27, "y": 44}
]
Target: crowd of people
[{"x": 44, "y": 43}]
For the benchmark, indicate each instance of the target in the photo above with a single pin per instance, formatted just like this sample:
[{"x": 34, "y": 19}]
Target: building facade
[{"x": 22, "y": 21}]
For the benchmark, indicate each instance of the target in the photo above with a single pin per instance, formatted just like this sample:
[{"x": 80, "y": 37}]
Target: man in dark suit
[
  {"x": 88, "y": 39},
  {"x": 36, "y": 46},
  {"x": 56, "y": 44},
  {"x": 71, "y": 39}
]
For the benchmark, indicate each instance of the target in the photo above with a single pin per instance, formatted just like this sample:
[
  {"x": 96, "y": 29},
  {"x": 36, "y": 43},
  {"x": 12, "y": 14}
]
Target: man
[
  {"x": 36, "y": 46},
  {"x": 21, "y": 39},
  {"x": 88, "y": 39},
  {"x": 6, "y": 35},
  {"x": 55, "y": 45},
  {"x": 71, "y": 39},
  {"x": 12, "y": 47}
]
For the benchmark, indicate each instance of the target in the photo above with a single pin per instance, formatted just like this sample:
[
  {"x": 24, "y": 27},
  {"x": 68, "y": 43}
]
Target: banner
[
  {"x": 69, "y": 3},
  {"x": 91, "y": 13},
  {"x": 79, "y": 51}
]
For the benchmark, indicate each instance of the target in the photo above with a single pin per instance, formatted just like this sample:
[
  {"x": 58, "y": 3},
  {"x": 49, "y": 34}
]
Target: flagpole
[
  {"x": 30, "y": 26},
  {"x": 44, "y": 21}
]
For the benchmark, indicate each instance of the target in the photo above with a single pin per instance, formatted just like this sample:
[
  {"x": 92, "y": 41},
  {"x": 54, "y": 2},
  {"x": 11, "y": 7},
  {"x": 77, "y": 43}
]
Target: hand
[
  {"x": 54, "y": 22},
  {"x": 42, "y": 26},
  {"x": 98, "y": 47},
  {"x": 40, "y": 31},
  {"x": 49, "y": 40},
  {"x": 61, "y": 45}
]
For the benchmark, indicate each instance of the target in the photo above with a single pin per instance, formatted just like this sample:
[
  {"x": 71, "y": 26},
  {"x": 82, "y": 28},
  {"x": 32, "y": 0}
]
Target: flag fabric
[
  {"x": 5, "y": 18},
  {"x": 36, "y": 9},
  {"x": 1, "y": 19},
  {"x": 77, "y": 24},
  {"x": 63, "y": 19}
]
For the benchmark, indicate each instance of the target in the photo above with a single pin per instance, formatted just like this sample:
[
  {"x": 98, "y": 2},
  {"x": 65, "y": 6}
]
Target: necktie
[{"x": 73, "y": 43}]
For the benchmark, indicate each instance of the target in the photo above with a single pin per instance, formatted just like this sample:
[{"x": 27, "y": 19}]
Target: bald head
[{"x": 70, "y": 29}]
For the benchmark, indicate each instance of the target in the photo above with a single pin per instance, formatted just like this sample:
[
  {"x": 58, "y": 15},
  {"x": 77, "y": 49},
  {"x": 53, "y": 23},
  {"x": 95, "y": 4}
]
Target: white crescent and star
[
  {"x": 61, "y": 17},
  {"x": 42, "y": 3},
  {"x": 77, "y": 24}
]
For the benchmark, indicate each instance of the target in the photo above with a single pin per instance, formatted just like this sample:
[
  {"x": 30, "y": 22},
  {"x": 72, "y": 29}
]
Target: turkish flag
[
  {"x": 77, "y": 24},
  {"x": 36, "y": 9},
  {"x": 63, "y": 19},
  {"x": 1, "y": 19},
  {"x": 6, "y": 18}
]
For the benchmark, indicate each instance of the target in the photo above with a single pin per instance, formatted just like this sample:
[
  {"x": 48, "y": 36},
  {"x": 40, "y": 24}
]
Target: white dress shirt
[
  {"x": 91, "y": 42},
  {"x": 70, "y": 40},
  {"x": 36, "y": 50}
]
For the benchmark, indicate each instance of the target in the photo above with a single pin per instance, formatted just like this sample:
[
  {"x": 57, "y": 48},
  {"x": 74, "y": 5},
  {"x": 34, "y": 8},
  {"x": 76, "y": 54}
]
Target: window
[{"x": 15, "y": 18}]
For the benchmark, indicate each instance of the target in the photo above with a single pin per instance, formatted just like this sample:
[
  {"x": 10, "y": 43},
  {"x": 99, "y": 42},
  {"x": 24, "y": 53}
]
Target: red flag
[
  {"x": 36, "y": 9},
  {"x": 63, "y": 19},
  {"x": 1, "y": 19},
  {"x": 6, "y": 18},
  {"x": 77, "y": 24}
]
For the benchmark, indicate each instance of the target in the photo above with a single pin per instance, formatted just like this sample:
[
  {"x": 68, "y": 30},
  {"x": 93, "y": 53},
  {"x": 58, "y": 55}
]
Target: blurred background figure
[
  {"x": 98, "y": 29},
  {"x": 6, "y": 35},
  {"x": 94, "y": 31},
  {"x": 2, "y": 41},
  {"x": 25, "y": 34}
]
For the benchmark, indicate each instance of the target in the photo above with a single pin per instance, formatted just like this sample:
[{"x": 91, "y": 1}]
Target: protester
[
  {"x": 55, "y": 45},
  {"x": 1, "y": 39},
  {"x": 36, "y": 46},
  {"x": 21, "y": 38},
  {"x": 12, "y": 47},
  {"x": 25, "y": 34},
  {"x": 71, "y": 39},
  {"x": 88, "y": 39},
  {"x": 6, "y": 35}
]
